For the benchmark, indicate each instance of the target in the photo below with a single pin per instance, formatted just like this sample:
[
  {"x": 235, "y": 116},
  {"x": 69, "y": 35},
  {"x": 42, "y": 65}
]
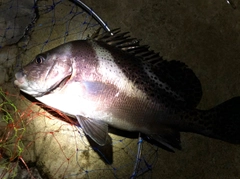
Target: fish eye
[{"x": 39, "y": 59}]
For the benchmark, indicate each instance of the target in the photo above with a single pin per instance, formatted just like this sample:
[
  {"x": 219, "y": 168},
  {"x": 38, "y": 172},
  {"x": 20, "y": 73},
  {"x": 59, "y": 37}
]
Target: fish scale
[
  {"x": 175, "y": 73},
  {"x": 110, "y": 79}
]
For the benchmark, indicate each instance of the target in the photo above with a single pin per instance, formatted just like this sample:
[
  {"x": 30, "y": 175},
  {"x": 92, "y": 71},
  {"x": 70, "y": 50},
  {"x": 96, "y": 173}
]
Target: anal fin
[{"x": 169, "y": 138}]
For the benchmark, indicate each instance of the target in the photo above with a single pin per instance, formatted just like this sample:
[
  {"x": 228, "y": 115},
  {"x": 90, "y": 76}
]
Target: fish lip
[
  {"x": 22, "y": 83},
  {"x": 17, "y": 83},
  {"x": 20, "y": 78}
]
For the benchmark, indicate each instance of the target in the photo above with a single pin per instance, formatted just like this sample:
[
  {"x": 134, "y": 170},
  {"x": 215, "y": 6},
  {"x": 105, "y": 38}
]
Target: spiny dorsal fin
[
  {"x": 123, "y": 41},
  {"x": 174, "y": 73}
]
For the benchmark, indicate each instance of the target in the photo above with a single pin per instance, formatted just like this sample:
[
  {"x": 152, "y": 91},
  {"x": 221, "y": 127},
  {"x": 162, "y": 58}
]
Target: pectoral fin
[
  {"x": 96, "y": 129},
  {"x": 105, "y": 152}
]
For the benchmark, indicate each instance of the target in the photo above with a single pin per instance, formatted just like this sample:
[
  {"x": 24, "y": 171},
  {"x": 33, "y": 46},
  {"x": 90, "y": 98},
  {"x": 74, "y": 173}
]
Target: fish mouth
[
  {"x": 22, "y": 83},
  {"x": 20, "y": 79}
]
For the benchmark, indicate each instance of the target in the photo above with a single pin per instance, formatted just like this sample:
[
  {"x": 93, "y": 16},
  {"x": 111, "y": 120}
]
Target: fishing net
[{"x": 39, "y": 142}]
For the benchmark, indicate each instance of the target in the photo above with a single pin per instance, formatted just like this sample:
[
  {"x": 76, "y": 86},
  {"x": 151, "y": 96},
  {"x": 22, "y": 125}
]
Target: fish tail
[{"x": 221, "y": 122}]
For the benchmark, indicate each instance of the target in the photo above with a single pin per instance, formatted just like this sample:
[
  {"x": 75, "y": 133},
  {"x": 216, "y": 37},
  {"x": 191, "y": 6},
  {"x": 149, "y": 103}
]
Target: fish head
[{"x": 45, "y": 72}]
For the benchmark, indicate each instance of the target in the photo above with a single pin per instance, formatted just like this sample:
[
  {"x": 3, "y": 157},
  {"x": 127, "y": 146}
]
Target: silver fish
[{"x": 113, "y": 80}]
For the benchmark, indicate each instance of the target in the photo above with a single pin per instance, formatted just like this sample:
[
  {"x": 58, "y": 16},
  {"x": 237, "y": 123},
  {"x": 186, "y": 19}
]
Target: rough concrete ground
[{"x": 205, "y": 35}]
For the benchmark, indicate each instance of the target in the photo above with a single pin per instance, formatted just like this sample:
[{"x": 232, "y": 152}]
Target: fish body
[{"x": 112, "y": 80}]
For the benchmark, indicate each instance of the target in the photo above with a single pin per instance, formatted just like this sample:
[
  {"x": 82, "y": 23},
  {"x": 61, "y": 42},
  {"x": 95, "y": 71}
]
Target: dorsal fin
[
  {"x": 181, "y": 79},
  {"x": 176, "y": 74}
]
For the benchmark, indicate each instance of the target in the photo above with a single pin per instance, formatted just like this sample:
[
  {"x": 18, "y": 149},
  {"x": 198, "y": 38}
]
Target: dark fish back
[{"x": 170, "y": 82}]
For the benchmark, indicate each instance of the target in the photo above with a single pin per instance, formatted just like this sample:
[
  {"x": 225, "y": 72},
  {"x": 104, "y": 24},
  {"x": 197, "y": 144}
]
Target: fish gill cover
[{"x": 39, "y": 142}]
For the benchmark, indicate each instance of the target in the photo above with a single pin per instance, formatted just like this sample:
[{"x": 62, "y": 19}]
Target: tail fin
[{"x": 221, "y": 122}]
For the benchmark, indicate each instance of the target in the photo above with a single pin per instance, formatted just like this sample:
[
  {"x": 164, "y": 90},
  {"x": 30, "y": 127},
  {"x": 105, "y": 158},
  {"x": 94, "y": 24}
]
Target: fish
[{"x": 112, "y": 80}]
